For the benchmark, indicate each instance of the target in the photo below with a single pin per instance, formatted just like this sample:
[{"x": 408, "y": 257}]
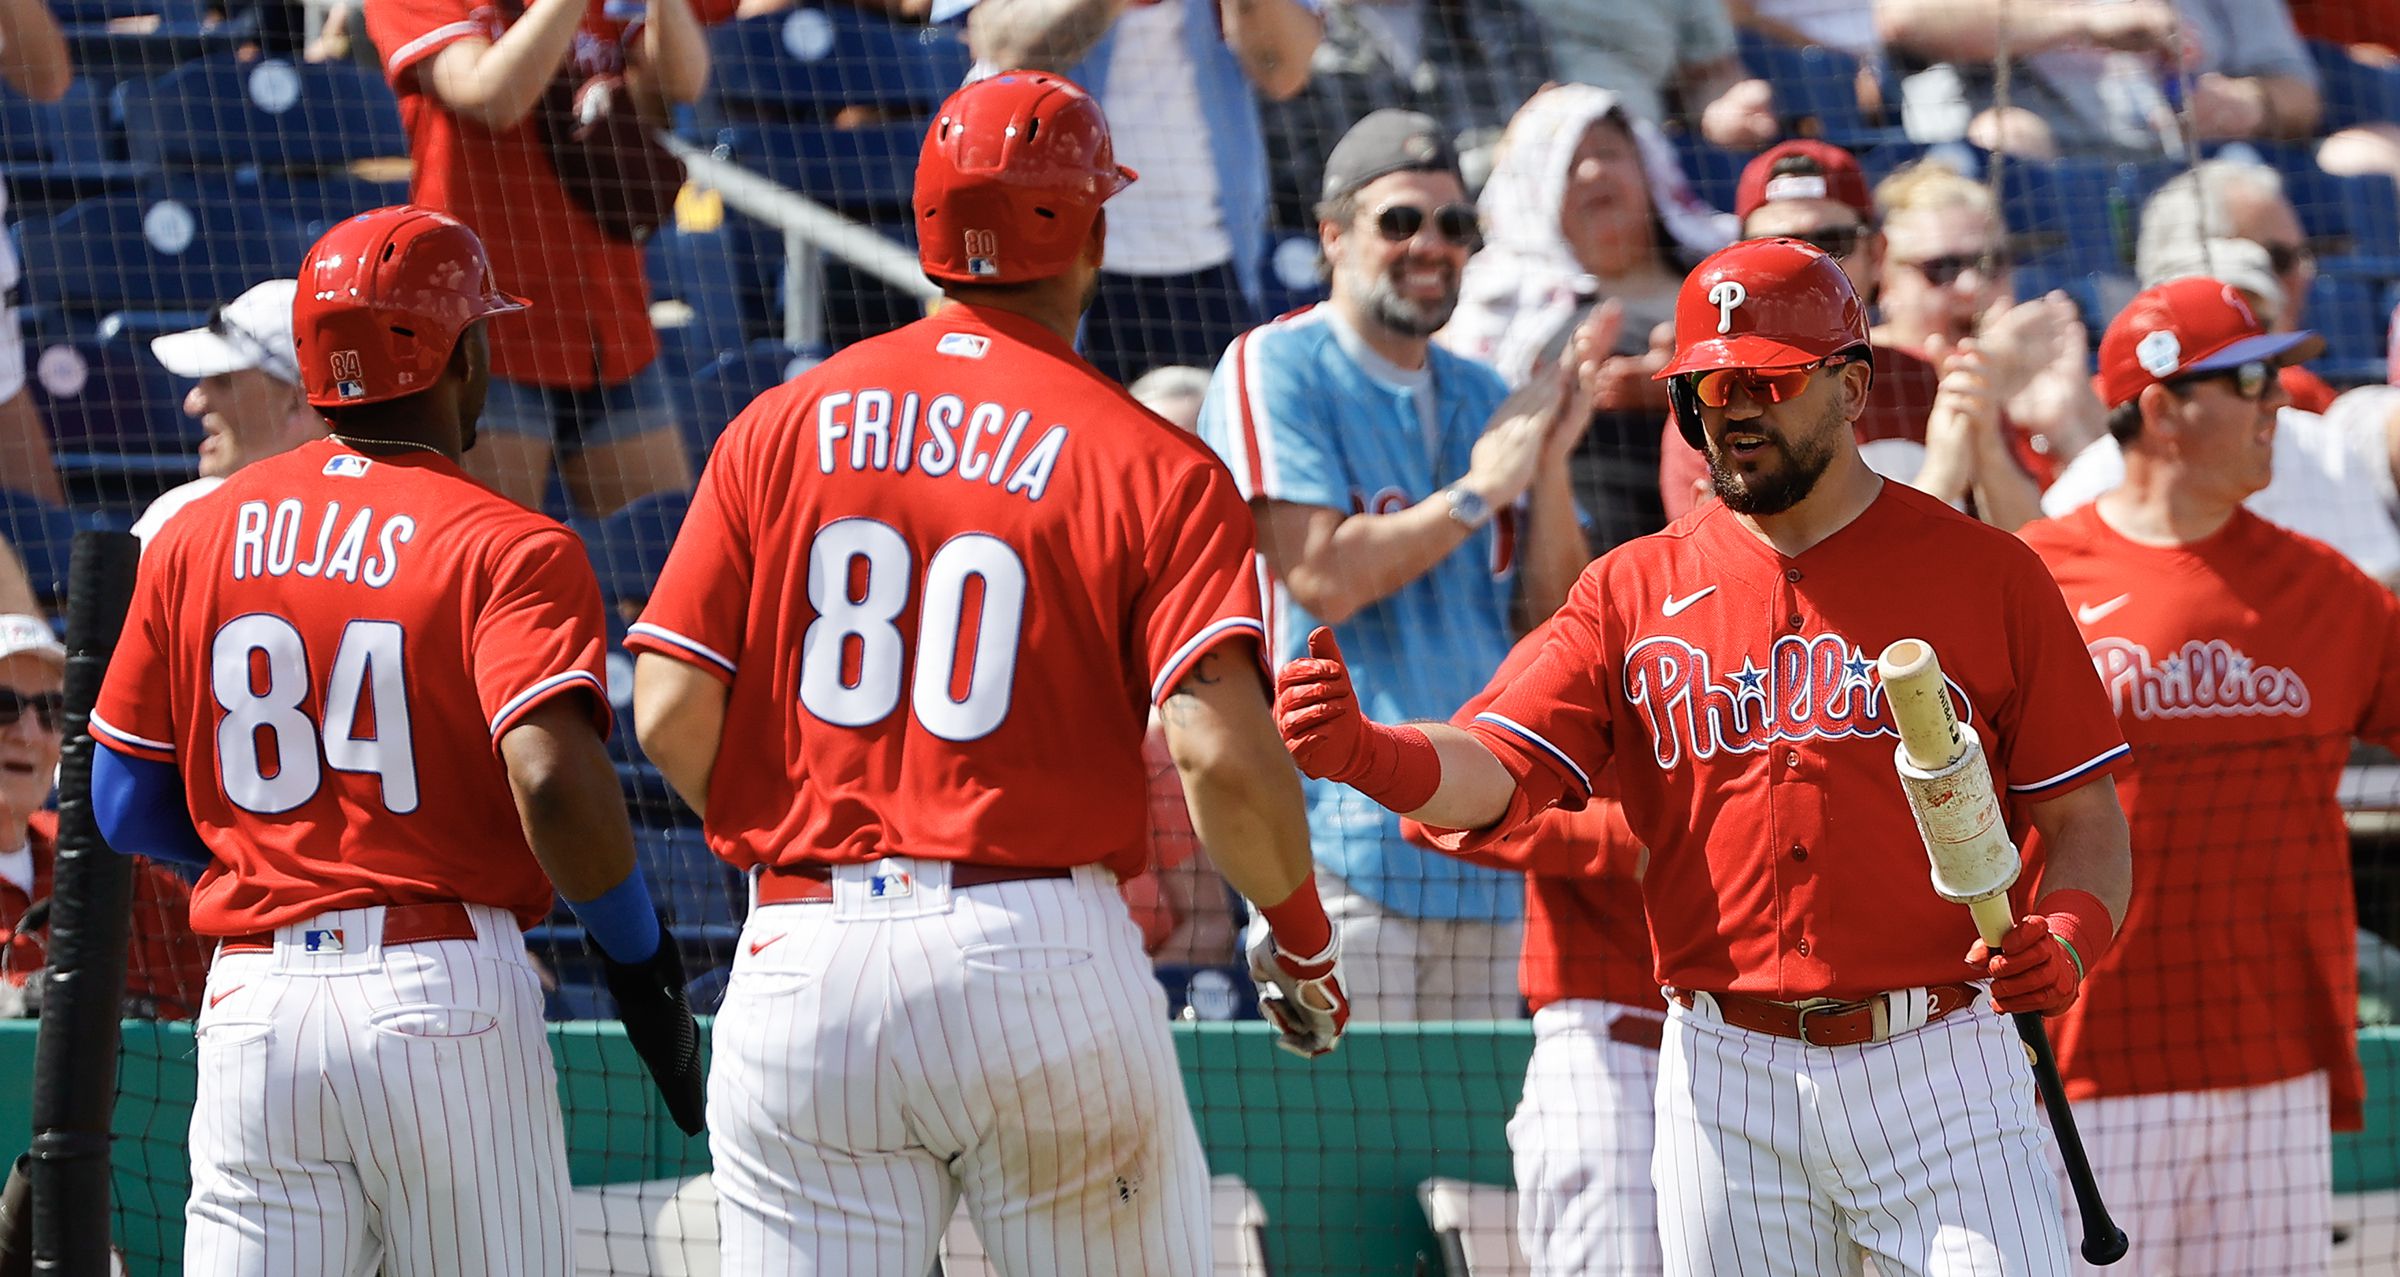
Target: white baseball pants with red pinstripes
[
  {"x": 881, "y": 1055},
  {"x": 364, "y": 1110},
  {"x": 1926, "y": 1151}
]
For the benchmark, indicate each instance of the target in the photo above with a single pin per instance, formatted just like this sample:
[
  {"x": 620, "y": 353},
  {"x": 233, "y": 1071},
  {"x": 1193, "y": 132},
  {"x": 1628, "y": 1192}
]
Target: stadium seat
[
  {"x": 811, "y": 62},
  {"x": 2075, "y": 213},
  {"x": 123, "y": 252},
  {"x": 1220, "y": 991},
  {"x": 1237, "y": 1234},
  {"x": 1290, "y": 276},
  {"x": 867, "y": 172},
  {"x": 2351, "y": 316},
  {"x": 86, "y": 12},
  {"x": 43, "y": 536},
  {"x": 697, "y": 891},
  {"x": 269, "y": 113},
  {"x": 696, "y": 272},
  {"x": 55, "y": 153},
  {"x": 726, "y": 385},
  {"x": 629, "y": 547},
  {"x": 2353, "y": 92},
  {"x": 1714, "y": 172},
  {"x": 318, "y": 200},
  {"x": 1816, "y": 90},
  {"x": 2351, "y": 219},
  {"x": 1476, "y": 1225},
  {"x": 109, "y": 395}
]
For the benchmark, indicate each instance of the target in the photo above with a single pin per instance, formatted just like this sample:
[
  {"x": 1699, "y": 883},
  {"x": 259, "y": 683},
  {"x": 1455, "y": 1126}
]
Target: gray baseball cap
[{"x": 1387, "y": 141}]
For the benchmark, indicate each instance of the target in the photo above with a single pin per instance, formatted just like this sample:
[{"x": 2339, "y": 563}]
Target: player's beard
[
  {"x": 1411, "y": 318},
  {"x": 1777, "y": 489}
]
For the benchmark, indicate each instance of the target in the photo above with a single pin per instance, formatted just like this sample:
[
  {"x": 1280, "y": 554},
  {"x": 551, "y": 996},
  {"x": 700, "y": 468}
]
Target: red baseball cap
[
  {"x": 1838, "y": 177},
  {"x": 2188, "y": 326}
]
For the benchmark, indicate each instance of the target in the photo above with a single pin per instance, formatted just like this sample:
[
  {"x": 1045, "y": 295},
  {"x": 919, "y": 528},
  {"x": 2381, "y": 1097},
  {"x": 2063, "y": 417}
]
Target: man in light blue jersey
[{"x": 1408, "y": 500}]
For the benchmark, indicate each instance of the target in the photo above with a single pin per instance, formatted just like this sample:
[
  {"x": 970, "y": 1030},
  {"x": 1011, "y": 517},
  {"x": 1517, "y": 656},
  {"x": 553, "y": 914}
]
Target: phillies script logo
[
  {"x": 2211, "y": 679},
  {"x": 1812, "y": 688}
]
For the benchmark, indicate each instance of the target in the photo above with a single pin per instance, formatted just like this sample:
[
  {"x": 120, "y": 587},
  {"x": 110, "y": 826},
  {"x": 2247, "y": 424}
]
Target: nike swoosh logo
[
  {"x": 217, "y": 998},
  {"x": 757, "y": 945},
  {"x": 2093, "y": 612},
  {"x": 1675, "y": 605}
]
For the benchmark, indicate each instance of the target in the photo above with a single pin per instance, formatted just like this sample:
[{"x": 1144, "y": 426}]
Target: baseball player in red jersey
[
  {"x": 2215, "y": 1049},
  {"x": 1581, "y": 1136},
  {"x": 1831, "y": 1079},
  {"x": 899, "y": 659},
  {"x": 366, "y": 694}
]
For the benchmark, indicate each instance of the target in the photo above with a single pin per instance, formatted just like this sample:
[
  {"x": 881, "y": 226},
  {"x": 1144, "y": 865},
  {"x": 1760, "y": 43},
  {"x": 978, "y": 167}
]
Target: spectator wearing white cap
[{"x": 248, "y": 398}]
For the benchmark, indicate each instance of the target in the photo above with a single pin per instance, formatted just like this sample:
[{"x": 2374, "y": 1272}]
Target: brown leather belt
[
  {"x": 402, "y": 924},
  {"x": 1637, "y": 1030},
  {"x": 1833, "y": 1023},
  {"x": 812, "y": 883}
]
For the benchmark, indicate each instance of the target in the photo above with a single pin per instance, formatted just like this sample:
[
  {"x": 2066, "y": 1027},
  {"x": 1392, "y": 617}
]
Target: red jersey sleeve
[
  {"x": 540, "y": 633},
  {"x": 2058, "y": 731},
  {"x": 134, "y": 715},
  {"x": 1551, "y": 727},
  {"x": 410, "y": 31},
  {"x": 698, "y": 610},
  {"x": 1201, "y": 586}
]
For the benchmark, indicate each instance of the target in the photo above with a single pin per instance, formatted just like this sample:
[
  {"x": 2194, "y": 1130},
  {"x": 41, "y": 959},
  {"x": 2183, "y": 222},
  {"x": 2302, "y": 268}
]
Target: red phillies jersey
[
  {"x": 590, "y": 322},
  {"x": 1585, "y": 936},
  {"x": 943, "y": 573},
  {"x": 166, "y": 966},
  {"x": 1734, "y": 688},
  {"x": 2240, "y": 667},
  {"x": 330, "y": 647}
]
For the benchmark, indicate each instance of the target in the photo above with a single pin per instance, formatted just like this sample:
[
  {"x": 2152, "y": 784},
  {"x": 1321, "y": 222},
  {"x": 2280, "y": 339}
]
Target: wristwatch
[{"x": 1468, "y": 508}]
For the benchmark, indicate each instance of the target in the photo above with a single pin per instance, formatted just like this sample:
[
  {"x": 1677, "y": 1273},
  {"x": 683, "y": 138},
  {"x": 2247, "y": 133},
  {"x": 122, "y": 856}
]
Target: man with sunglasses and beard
[
  {"x": 1832, "y": 1076},
  {"x": 1406, "y": 498},
  {"x": 2242, "y": 659}
]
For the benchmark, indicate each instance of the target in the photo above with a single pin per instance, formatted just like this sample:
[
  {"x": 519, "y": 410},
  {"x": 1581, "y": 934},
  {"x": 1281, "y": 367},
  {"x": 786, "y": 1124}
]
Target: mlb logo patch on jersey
[
  {"x": 891, "y": 886},
  {"x": 963, "y": 345},
  {"x": 328, "y": 941},
  {"x": 346, "y": 466}
]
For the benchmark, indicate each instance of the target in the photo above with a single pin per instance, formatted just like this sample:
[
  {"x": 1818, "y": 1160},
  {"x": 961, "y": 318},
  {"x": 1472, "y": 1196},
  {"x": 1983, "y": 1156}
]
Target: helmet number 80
[{"x": 853, "y": 656}]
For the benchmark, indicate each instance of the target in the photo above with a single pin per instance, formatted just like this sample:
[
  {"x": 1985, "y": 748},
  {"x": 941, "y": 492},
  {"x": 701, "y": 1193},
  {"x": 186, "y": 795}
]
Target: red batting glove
[
  {"x": 2043, "y": 959},
  {"x": 1331, "y": 738},
  {"x": 1302, "y": 997}
]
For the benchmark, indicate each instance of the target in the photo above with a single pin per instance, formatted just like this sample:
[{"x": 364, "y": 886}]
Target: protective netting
[{"x": 189, "y": 152}]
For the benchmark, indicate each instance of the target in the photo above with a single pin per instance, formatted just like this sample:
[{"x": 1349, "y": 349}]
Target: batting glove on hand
[
  {"x": 1331, "y": 738},
  {"x": 658, "y": 1024},
  {"x": 1301, "y": 996},
  {"x": 2033, "y": 970}
]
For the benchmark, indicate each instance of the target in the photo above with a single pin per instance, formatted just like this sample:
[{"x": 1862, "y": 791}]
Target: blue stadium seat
[
  {"x": 1290, "y": 277},
  {"x": 1715, "y": 173},
  {"x": 2353, "y": 92},
  {"x": 1816, "y": 90},
  {"x": 814, "y": 61},
  {"x": 318, "y": 200},
  {"x": 2078, "y": 213},
  {"x": 629, "y": 547},
  {"x": 868, "y": 172},
  {"x": 108, "y": 395},
  {"x": 1221, "y": 991},
  {"x": 727, "y": 384},
  {"x": 81, "y": 12},
  {"x": 2352, "y": 219},
  {"x": 2098, "y": 295},
  {"x": 60, "y": 152},
  {"x": 2351, "y": 316},
  {"x": 123, "y": 252},
  {"x": 698, "y": 268},
  {"x": 43, "y": 535},
  {"x": 268, "y": 113}
]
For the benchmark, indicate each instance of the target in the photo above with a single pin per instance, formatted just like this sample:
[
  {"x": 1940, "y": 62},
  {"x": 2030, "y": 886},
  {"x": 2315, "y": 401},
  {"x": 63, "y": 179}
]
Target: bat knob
[{"x": 2104, "y": 1248}]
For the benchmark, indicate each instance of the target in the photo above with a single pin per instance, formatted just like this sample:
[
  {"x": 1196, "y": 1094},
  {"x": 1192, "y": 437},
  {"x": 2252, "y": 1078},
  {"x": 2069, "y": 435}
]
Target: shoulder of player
[{"x": 1291, "y": 345}]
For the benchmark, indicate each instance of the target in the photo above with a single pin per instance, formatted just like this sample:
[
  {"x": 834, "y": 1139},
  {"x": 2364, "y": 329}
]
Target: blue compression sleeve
[
  {"x": 139, "y": 805},
  {"x": 623, "y": 920}
]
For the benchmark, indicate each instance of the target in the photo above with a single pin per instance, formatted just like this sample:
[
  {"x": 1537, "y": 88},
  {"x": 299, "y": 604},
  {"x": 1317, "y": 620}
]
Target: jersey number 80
[{"x": 862, "y": 634}]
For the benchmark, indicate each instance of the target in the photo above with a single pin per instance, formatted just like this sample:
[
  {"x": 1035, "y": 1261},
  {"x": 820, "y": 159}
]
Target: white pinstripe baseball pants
[
  {"x": 1926, "y": 1151},
  {"x": 363, "y": 1109},
  {"x": 876, "y": 1058}
]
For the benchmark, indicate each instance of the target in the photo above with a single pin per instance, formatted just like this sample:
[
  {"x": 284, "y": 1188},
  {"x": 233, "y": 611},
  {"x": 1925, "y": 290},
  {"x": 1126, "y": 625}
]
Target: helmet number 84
[{"x": 853, "y": 656}]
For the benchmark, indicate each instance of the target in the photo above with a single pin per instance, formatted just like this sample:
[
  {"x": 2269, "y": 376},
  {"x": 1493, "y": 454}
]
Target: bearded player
[
  {"x": 376, "y": 689},
  {"x": 900, "y": 659},
  {"x": 1832, "y": 1078}
]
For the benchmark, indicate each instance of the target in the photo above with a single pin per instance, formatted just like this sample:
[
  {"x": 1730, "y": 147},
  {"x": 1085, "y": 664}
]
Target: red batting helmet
[
  {"x": 1014, "y": 170},
  {"x": 383, "y": 298},
  {"x": 1761, "y": 303}
]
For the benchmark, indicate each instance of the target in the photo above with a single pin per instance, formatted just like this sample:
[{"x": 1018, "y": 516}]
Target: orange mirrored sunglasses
[{"x": 1715, "y": 387}]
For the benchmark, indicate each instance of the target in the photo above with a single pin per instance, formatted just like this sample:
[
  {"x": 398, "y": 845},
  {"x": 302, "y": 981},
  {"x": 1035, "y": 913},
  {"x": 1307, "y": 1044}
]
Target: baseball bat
[{"x": 1958, "y": 811}]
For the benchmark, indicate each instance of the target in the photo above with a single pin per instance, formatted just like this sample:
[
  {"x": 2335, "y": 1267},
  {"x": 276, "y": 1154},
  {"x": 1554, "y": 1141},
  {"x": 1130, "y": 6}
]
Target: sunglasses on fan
[
  {"x": 49, "y": 708},
  {"x": 1715, "y": 388},
  {"x": 2250, "y": 380},
  {"x": 1942, "y": 272},
  {"x": 1458, "y": 223}
]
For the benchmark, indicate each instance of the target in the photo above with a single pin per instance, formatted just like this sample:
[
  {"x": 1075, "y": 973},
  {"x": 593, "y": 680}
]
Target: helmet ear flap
[{"x": 1686, "y": 403}]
